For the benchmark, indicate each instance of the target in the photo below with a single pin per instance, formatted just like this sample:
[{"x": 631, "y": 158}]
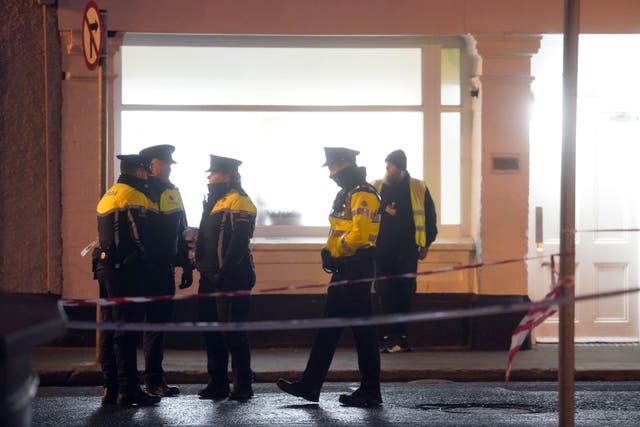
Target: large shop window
[{"x": 276, "y": 102}]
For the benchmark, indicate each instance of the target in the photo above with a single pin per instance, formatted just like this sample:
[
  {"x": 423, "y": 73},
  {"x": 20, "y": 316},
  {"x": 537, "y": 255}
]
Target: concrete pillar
[
  {"x": 505, "y": 78},
  {"x": 80, "y": 185}
]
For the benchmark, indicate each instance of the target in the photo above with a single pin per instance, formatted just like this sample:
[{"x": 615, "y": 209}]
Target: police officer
[
  {"x": 224, "y": 261},
  {"x": 119, "y": 262},
  {"x": 168, "y": 249},
  {"x": 407, "y": 229},
  {"x": 347, "y": 255}
]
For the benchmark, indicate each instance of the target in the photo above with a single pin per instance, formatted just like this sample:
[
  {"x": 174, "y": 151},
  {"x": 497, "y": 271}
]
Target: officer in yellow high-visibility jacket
[
  {"x": 407, "y": 229},
  {"x": 348, "y": 255},
  {"x": 119, "y": 262},
  {"x": 224, "y": 260},
  {"x": 168, "y": 249}
]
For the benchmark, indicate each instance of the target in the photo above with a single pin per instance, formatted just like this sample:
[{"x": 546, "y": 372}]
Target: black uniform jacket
[
  {"x": 222, "y": 248},
  {"x": 123, "y": 223}
]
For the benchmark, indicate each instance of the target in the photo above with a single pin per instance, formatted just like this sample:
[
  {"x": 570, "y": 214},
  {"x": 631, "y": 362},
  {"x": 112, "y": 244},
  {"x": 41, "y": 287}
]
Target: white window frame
[{"x": 430, "y": 107}]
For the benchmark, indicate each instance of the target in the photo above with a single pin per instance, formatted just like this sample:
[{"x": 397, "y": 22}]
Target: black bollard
[{"x": 25, "y": 322}]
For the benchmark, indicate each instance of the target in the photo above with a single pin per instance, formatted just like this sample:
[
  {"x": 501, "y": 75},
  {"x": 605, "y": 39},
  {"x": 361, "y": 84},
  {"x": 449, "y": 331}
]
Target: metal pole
[
  {"x": 566, "y": 363},
  {"x": 47, "y": 148},
  {"x": 103, "y": 120},
  {"x": 103, "y": 101}
]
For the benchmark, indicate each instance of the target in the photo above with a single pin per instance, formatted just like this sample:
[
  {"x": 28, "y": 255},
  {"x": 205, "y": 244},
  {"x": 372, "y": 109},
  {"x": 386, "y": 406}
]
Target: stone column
[{"x": 505, "y": 95}]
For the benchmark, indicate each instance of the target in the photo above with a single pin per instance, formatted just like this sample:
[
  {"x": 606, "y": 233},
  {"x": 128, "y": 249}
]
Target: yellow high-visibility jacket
[
  {"x": 167, "y": 228},
  {"x": 123, "y": 221},
  {"x": 355, "y": 222}
]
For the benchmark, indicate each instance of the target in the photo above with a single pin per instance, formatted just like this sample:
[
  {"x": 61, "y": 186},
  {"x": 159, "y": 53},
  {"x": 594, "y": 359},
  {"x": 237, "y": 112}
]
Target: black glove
[
  {"x": 329, "y": 263},
  {"x": 221, "y": 283},
  {"x": 187, "y": 277}
]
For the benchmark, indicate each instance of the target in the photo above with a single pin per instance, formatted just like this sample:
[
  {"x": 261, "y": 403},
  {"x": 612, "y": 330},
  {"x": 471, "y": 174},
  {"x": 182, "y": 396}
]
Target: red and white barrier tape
[
  {"x": 534, "y": 317},
  {"x": 340, "y": 321},
  {"x": 145, "y": 299},
  {"x": 605, "y": 230}
]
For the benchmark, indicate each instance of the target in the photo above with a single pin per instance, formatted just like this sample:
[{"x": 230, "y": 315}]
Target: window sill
[{"x": 317, "y": 243}]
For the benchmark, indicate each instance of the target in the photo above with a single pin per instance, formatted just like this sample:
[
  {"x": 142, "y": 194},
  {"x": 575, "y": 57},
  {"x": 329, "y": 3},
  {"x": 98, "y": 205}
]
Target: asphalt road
[{"x": 438, "y": 403}]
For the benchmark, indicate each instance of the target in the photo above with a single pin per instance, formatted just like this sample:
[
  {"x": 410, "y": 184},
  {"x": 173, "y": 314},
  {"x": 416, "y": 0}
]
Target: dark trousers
[
  {"x": 118, "y": 348},
  {"x": 395, "y": 295},
  {"x": 159, "y": 280},
  {"x": 220, "y": 344},
  {"x": 349, "y": 300}
]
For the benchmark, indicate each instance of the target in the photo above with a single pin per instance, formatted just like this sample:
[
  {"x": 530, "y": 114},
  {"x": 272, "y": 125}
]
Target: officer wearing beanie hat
[{"x": 407, "y": 229}]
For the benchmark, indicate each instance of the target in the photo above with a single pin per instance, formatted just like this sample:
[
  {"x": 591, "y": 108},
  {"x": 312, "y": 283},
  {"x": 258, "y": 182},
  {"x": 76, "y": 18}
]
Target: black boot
[
  {"x": 361, "y": 399},
  {"x": 109, "y": 395},
  {"x": 137, "y": 397},
  {"x": 298, "y": 389},
  {"x": 213, "y": 392},
  {"x": 162, "y": 390},
  {"x": 241, "y": 393}
]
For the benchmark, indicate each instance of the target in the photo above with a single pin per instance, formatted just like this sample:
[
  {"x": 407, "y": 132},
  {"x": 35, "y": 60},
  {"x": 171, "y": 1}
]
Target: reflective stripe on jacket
[
  {"x": 356, "y": 224},
  {"x": 223, "y": 241},
  {"x": 123, "y": 220}
]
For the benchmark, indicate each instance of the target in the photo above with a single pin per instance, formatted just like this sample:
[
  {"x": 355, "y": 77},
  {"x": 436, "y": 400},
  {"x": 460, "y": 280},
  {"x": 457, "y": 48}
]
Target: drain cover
[{"x": 482, "y": 408}]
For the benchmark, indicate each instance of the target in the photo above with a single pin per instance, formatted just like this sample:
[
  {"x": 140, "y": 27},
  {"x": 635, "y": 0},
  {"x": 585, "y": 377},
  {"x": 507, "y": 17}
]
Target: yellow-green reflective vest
[{"x": 417, "y": 190}]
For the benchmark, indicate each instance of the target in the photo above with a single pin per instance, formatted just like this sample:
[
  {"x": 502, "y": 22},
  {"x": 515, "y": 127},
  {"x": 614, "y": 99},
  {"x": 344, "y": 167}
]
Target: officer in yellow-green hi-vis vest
[
  {"x": 407, "y": 229},
  {"x": 349, "y": 254},
  {"x": 168, "y": 250},
  {"x": 224, "y": 260},
  {"x": 119, "y": 263}
]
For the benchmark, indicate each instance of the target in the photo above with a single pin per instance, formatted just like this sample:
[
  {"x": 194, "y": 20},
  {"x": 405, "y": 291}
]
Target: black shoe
[
  {"x": 404, "y": 345},
  {"x": 398, "y": 348},
  {"x": 387, "y": 345},
  {"x": 296, "y": 388},
  {"x": 241, "y": 394},
  {"x": 163, "y": 390},
  {"x": 361, "y": 399},
  {"x": 109, "y": 395},
  {"x": 390, "y": 349},
  {"x": 137, "y": 397},
  {"x": 212, "y": 392}
]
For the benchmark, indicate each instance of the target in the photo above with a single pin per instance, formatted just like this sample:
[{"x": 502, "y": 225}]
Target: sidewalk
[{"x": 64, "y": 366}]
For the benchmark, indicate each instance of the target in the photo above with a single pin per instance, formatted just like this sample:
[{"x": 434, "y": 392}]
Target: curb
[{"x": 94, "y": 378}]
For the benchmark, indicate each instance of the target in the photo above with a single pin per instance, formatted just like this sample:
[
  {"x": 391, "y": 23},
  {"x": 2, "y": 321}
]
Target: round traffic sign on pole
[{"x": 92, "y": 34}]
